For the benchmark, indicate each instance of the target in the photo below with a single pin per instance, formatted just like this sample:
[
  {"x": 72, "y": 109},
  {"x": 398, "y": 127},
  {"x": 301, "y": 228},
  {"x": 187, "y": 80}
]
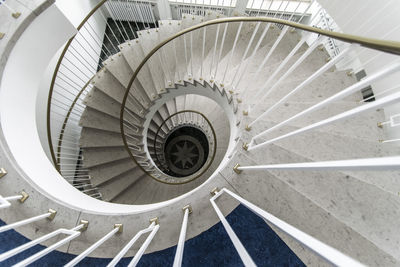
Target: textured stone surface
[{"x": 356, "y": 213}]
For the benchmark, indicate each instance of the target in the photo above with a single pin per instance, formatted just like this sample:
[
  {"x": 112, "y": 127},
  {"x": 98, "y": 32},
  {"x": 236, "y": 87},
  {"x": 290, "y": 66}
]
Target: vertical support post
[
  {"x": 146, "y": 243},
  {"x": 117, "y": 229},
  {"x": 244, "y": 255},
  {"x": 181, "y": 243}
]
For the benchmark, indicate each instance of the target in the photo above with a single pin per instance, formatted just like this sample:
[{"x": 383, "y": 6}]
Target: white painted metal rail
[
  {"x": 182, "y": 235},
  {"x": 72, "y": 234},
  {"x": 367, "y": 164},
  {"x": 80, "y": 257},
  {"x": 119, "y": 256},
  {"x": 328, "y": 253}
]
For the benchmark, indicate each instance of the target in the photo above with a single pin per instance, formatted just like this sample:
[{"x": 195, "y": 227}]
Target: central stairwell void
[{"x": 177, "y": 123}]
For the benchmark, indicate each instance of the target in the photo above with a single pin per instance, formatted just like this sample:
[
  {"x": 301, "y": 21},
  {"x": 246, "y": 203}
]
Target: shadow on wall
[{"x": 211, "y": 248}]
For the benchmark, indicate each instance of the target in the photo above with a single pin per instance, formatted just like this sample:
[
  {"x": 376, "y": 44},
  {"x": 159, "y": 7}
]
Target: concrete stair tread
[
  {"x": 323, "y": 146},
  {"x": 97, "y": 99},
  {"x": 103, "y": 173},
  {"x": 285, "y": 202},
  {"x": 119, "y": 67},
  {"x": 351, "y": 201},
  {"x": 119, "y": 184},
  {"x": 133, "y": 54},
  {"x": 363, "y": 126},
  {"x": 91, "y": 137},
  {"x": 101, "y": 155},
  {"x": 148, "y": 40},
  {"x": 110, "y": 85}
]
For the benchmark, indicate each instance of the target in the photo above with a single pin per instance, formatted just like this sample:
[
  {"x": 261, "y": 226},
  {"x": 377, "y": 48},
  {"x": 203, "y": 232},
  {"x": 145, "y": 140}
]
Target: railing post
[
  {"x": 393, "y": 68},
  {"x": 368, "y": 164},
  {"x": 244, "y": 255},
  {"x": 117, "y": 229},
  {"x": 146, "y": 243},
  {"x": 385, "y": 101},
  {"x": 328, "y": 253},
  {"x": 49, "y": 215},
  {"x": 73, "y": 233},
  {"x": 181, "y": 243}
]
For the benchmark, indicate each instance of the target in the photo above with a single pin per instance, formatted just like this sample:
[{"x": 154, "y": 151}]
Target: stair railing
[
  {"x": 64, "y": 235},
  {"x": 209, "y": 74},
  {"x": 379, "y": 45},
  {"x": 326, "y": 252},
  {"x": 109, "y": 24}
]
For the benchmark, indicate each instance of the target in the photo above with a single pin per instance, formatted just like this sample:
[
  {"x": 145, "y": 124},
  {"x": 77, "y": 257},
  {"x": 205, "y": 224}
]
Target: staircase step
[
  {"x": 100, "y": 138},
  {"x": 119, "y": 184},
  {"x": 148, "y": 40},
  {"x": 101, "y": 155},
  {"x": 364, "y": 207},
  {"x": 280, "y": 199},
  {"x": 103, "y": 173},
  {"x": 323, "y": 146},
  {"x": 133, "y": 53}
]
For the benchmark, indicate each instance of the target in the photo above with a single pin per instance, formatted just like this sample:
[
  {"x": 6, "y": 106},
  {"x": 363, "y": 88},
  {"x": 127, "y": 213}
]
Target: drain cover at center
[{"x": 185, "y": 155}]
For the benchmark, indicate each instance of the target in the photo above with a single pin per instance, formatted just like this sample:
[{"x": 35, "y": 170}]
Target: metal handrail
[{"x": 214, "y": 150}]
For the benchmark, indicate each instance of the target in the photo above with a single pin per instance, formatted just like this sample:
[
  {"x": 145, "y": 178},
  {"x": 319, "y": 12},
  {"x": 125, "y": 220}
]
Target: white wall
[{"x": 374, "y": 19}]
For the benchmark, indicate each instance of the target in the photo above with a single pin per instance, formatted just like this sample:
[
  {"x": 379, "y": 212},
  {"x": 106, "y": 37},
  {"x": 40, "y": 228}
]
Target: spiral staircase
[{"x": 196, "y": 104}]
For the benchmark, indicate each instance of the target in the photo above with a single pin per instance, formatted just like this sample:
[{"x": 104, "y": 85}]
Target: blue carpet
[{"x": 211, "y": 248}]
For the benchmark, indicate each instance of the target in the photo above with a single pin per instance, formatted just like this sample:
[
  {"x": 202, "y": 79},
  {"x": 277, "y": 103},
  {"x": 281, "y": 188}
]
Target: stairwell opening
[{"x": 186, "y": 151}]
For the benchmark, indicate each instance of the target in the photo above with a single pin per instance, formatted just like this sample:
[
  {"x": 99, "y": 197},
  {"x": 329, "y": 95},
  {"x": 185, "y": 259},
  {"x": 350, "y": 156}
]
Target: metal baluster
[
  {"x": 110, "y": 11},
  {"x": 314, "y": 76},
  {"x": 146, "y": 243},
  {"x": 80, "y": 257},
  {"x": 130, "y": 244},
  {"x": 181, "y": 242},
  {"x": 346, "y": 92},
  {"x": 191, "y": 54},
  {"x": 129, "y": 7},
  {"x": 96, "y": 41},
  {"x": 244, "y": 255},
  {"x": 49, "y": 215},
  {"x": 112, "y": 31},
  {"x": 202, "y": 52},
  {"x": 220, "y": 50},
  {"x": 214, "y": 51},
  {"x": 326, "y": 252}
]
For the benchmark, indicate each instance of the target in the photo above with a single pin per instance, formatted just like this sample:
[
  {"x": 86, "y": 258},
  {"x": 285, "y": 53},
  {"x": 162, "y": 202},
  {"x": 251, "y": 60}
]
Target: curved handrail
[
  {"x": 392, "y": 47},
  {"x": 53, "y": 80},
  {"x": 214, "y": 150}
]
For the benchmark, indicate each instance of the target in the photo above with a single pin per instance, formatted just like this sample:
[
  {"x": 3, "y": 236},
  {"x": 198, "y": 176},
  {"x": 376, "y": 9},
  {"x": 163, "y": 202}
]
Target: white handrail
[
  {"x": 90, "y": 249},
  {"x": 393, "y": 68},
  {"x": 328, "y": 253},
  {"x": 314, "y": 76},
  {"x": 385, "y": 101},
  {"x": 181, "y": 241},
  {"x": 142, "y": 249},
  {"x": 282, "y": 65},
  {"x": 73, "y": 233},
  {"x": 370, "y": 164},
  {"x": 26, "y": 221},
  {"x": 5, "y": 201},
  {"x": 130, "y": 244},
  {"x": 244, "y": 255}
]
